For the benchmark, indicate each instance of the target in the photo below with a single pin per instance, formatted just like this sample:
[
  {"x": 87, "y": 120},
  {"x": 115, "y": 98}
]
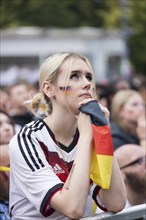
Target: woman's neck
[{"x": 63, "y": 127}]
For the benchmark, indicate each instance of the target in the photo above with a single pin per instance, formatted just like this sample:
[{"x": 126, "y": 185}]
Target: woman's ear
[{"x": 48, "y": 89}]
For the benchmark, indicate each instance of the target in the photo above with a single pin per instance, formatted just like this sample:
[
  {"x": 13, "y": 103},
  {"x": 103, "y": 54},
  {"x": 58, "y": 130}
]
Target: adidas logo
[{"x": 57, "y": 169}]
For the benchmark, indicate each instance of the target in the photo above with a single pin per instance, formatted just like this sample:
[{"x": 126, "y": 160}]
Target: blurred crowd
[{"x": 126, "y": 101}]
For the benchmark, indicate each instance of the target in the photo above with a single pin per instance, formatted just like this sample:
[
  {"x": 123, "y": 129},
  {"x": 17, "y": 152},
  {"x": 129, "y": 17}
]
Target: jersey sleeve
[
  {"x": 31, "y": 172},
  {"x": 94, "y": 191}
]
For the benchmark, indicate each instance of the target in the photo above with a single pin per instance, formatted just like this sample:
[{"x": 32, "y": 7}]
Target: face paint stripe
[{"x": 65, "y": 88}]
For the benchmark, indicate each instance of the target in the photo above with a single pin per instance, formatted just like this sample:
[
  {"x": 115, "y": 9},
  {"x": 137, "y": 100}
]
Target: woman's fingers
[
  {"x": 85, "y": 101},
  {"x": 105, "y": 111}
]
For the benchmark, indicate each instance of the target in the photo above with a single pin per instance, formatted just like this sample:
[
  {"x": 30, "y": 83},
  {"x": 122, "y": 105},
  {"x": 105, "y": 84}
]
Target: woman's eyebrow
[
  {"x": 89, "y": 73},
  {"x": 80, "y": 72},
  {"x": 76, "y": 71}
]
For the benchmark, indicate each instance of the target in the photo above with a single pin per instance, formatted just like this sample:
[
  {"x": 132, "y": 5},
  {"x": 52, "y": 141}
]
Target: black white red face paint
[{"x": 66, "y": 89}]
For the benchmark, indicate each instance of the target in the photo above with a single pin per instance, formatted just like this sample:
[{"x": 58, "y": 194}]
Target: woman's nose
[{"x": 86, "y": 83}]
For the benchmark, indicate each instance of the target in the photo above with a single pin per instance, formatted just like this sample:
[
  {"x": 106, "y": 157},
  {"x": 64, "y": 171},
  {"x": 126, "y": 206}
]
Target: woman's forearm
[
  {"x": 74, "y": 194},
  {"x": 114, "y": 198}
]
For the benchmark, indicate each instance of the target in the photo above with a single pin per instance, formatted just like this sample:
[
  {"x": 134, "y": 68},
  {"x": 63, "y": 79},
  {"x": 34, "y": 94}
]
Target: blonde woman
[
  {"x": 128, "y": 115},
  {"x": 50, "y": 158}
]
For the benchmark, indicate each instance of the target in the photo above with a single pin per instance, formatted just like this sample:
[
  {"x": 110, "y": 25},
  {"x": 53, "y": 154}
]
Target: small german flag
[{"x": 102, "y": 155}]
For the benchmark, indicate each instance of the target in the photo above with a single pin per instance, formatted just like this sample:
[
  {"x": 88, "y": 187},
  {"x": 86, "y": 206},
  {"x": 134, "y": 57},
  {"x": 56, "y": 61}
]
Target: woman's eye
[
  {"x": 135, "y": 104},
  {"x": 74, "y": 76},
  {"x": 89, "y": 77}
]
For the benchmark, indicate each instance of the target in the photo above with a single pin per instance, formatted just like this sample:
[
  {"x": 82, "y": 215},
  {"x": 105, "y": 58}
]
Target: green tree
[
  {"x": 76, "y": 13},
  {"x": 137, "y": 41},
  {"x": 52, "y": 13}
]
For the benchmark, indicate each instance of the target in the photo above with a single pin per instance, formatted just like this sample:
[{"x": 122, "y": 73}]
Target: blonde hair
[
  {"x": 118, "y": 102},
  {"x": 49, "y": 72}
]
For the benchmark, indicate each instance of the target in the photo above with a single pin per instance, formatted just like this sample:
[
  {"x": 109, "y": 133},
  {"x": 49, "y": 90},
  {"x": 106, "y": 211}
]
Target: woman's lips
[{"x": 86, "y": 95}]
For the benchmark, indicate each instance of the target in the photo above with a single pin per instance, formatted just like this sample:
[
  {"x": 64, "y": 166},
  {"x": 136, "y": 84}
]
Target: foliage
[
  {"x": 137, "y": 41},
  {"x": 58, "y": 13},
  {"x": 76, "y": 13}
]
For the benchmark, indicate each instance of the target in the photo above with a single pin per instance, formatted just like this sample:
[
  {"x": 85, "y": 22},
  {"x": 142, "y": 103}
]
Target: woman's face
[
  {"x": 133, "y": 108},
  {"x": 19, "y": 94},
  {"x": 6, "y": 129},
  {"x": 4, "y": 175},
  {"x": 80, "y": 85},
  {"x": 135, "y": 171}
]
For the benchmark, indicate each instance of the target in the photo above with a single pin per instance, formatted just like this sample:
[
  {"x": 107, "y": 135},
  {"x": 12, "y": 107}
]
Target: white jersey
[{"x": 38, "y": 172}]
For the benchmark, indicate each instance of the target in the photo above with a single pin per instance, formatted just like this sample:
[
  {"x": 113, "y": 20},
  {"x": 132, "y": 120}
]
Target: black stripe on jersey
[
  {"x": 29, "y": 142},
  {"x": 35, "y": 127},
  {"x": 94, "y": 196},
  {"x": 95, "y": 193},
  {"x": 24, "y": 136},
  {"x": 45, "y": 211},
  {"x": 22, "y": 151},
  {"x": 35, "y": 151}
]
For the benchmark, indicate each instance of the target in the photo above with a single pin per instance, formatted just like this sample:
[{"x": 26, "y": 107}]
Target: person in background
[
  {"x": 142, "y": 91},
  {"x": 7, "y": 131},
  {"x": 19, "y": 93},
  {"x": 50, "y": 157},
  {"x": 128, "y": 119},
  {"x": 5, "y": 104},
  {"x": 120, "y": 84},
  {"x": 107, "y": 89},
  {"x": 132, "y": 162},
  {"x": 4, "y": 182},
  {"x": 7, "y": 128}
]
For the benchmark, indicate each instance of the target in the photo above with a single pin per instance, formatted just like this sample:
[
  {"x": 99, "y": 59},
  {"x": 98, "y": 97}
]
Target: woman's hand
[
  {"x": 141, "y": 126},
  {"x": 105, "y": 112},
  {"x": 84, "y": 126},
  {"x": 84, "y": 122},
  {"x": 141, "y": 129}
]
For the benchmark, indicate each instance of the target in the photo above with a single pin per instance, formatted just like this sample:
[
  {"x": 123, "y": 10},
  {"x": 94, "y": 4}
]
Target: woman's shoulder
[
  {"x": 36, "y": 125},
  {"x": 30, "y": 129},
  {"x": 115, "y": 128},
  {"x": 120, "y": 137}
]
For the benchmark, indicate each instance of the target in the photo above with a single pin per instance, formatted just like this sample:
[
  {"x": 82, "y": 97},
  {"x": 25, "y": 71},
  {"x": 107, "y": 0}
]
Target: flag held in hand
[{"x": 102, "y": 155}]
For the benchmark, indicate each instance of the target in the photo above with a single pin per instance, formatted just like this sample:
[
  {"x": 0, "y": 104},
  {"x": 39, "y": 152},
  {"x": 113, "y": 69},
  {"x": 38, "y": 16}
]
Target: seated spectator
[
  {"x": 4, "y": 99},
  {"x": 120, "y": 84},
  {"x": 7, "y": 131},
  {"x": 142, "y": 91},
  {"x": 106, "y": 90},
  {"x": 128, "y": 119},
  {"x": 105, "y": 93},
  {"x": 19, "y": 93},
  {"x": 7, "y": 128},
  {"x": 4, "y": 182},
  {"x": 132, "y": 162}
]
